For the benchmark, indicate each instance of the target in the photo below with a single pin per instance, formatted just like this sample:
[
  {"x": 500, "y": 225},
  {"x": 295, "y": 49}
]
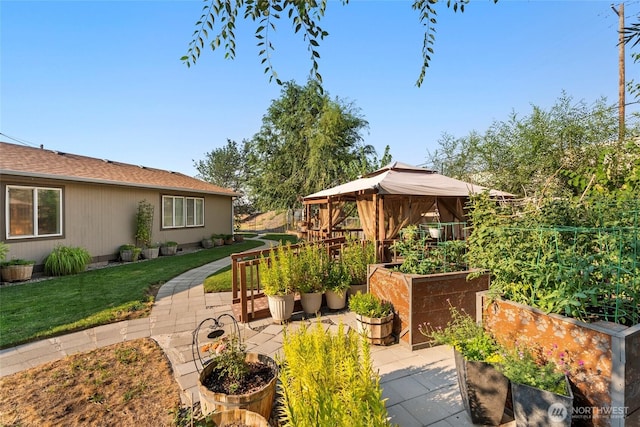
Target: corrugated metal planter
[
  {"x": 419, "y": 299},
  {"x": 604, "y": 357}
]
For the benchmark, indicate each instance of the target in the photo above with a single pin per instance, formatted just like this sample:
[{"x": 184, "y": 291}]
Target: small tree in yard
[{"x": 144, "y": 223}]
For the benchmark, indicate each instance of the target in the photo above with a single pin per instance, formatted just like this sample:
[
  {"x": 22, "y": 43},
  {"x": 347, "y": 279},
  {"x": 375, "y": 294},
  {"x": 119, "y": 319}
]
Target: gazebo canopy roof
[{"x": 401, "y": 179}]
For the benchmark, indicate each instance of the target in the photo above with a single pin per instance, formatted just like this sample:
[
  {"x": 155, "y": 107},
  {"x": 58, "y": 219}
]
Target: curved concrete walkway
[{"x": 420, "y": 386}]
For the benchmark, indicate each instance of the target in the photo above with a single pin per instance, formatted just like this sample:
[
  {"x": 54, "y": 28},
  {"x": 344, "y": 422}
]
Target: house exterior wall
[{"x": 100, "y": 218}]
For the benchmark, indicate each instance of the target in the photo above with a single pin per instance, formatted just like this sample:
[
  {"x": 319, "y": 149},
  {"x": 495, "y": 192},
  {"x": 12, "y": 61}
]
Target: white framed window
[
  {"x": 33, "y": 212},
  {"x": 179, "y": 211}
]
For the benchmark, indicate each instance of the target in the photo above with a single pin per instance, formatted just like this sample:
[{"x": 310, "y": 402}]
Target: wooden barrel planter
[
  {"x": 376, "y": 329},
  {"x": 260, "y": 401},
  {"x": 235, "y": 417}
]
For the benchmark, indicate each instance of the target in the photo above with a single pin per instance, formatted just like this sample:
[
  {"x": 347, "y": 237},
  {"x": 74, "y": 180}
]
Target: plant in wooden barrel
[
  {"x": 230, "y": 377},
  {"x": 374, "y": 317}
]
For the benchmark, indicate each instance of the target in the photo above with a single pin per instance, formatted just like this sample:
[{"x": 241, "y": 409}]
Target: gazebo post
[{"x": 330, "y": 214}]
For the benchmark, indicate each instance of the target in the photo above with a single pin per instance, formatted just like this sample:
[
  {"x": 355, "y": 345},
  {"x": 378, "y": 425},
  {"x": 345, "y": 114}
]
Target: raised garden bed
[{"x": 420, "y": 299}]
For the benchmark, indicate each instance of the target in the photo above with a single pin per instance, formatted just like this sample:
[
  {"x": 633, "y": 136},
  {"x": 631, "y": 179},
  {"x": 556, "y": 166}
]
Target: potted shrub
[
  {"x": 276, "y": 277},
  {"x": 234, "y": 379},
  {"x": 151, "y": 251},
  {"x": 311, "y": 263},
  {"x": 17, "y": 270},
  {"x": 374, "y": 318},
  {"x": 239, "y": 238},
  {"x": 218, "y": 239},
  {"x": 169, "y": 248},
  {"x": 483, "y": 387},
  {"x": 144, "y": 227},
  {"x": 129, "y": 253},
  {"x": 537, "y": 384},
  {"x": 228, "y": 239},
  {"x": 207, "y": 242},
  {"x": 337, "y": 283},
  {"x": 356, "y": 256}
]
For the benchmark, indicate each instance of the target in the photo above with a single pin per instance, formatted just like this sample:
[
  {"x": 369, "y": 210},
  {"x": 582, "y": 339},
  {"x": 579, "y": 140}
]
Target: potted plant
[
  {"x": 218, "y": 239},
  {"x": 374, "y": 317},
  {"x": 338, "y": 282},
  {"x": 239, "y": 238},
  {"x": 356, "y": 256},
  {"x": 169, "y": 248},
  {"x": 17, "y": 270},
  {"x": 238, "y": 417},
  {"x": 234, "y": 379},
  {"x": 312, "y": 262},
  {"x": 276, "y": 274},
  {"x": 537, "y": 384},
  {"x": 228, "y": 239},
  {"x": 207, "y": 242},
  {"x": 129, "y": 253},
  {"x": 151, "y": 251},
  {"x": 483, "y": 387}
]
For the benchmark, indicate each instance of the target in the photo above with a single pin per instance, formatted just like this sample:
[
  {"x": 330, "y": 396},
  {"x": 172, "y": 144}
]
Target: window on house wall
[
  {"x": 178, "y": 211},
  {"x": 33, "y": 212}
]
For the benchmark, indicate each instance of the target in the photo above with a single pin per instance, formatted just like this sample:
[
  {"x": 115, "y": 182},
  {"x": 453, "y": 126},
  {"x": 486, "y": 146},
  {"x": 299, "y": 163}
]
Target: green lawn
[{"x": 51, "y": 307}]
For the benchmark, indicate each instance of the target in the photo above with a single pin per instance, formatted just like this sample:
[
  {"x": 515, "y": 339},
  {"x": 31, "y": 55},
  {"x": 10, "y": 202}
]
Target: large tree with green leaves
[
  {"x": 537, "y": 153},
  {"x": 305, "y": 144}
]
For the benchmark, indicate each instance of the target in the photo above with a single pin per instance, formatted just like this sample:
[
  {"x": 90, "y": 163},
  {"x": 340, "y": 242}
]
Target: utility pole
[{"x": 621, "y": 78}]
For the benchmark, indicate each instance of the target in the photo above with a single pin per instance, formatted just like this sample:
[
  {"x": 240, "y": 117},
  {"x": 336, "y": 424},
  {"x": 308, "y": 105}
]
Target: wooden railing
[{"x": 245, "y": 275}]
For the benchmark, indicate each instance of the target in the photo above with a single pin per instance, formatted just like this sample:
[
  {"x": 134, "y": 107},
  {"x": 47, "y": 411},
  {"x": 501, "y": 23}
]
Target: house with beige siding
[{"x": 52, "y": 198}]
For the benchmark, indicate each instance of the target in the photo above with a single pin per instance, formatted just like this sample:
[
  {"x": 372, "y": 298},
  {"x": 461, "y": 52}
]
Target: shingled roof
[{"x": 21, "y": 160}]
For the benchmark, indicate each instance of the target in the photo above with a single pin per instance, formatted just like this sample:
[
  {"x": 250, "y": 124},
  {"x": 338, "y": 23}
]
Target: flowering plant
[
  {"x": 465, "y": 335},
  {"x": 531, "y": 367}
]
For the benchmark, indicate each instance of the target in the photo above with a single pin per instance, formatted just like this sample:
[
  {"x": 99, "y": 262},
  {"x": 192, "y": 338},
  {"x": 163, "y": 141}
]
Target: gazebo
[{"x": 391, "y": 198}]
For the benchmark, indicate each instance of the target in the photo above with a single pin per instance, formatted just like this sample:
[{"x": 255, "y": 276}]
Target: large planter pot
[
  {"x": 260, "y": 401},
  {"x": 483, "y": 390},
  {"x": 129, "y": 255},
  {"x": 354, "y": 289},
  {"x": 207, "y": 243},
  {"x": 17, "y": 273},
  {"x": 311, "y": 302},
  {"x": 150, "y": 253},
  {"x": 419, "y": 299},
  {"x": 281, "y": 307},
  {"x": 218, "y": 241},
  {"x": 604, "y": 357},
  {"x": 168, "y": 250},
  {"x": 535, "y": 407},
  {"x": 239, "y": 417},
  {"x": 377, "y": 329},
  {"x": 336, "y": 300}
]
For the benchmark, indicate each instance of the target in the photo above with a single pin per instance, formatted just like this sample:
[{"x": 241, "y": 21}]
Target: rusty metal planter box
[
  {"x": 607, "y": 385},
  {"x": 419, "y": 299}
]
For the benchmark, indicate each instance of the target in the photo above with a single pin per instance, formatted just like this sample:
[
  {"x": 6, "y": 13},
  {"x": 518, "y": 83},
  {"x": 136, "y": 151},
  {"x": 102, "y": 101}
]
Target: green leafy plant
[
  {"x": 338, "y": 278},
  {"x": 277, "y": 271},
  {"x": 525, "y": 366},
  {"x": 228, "y": 355},
  {"x": 356, "y": 256},
  {"x": 17, "y": 261},
  {"x": 463, "y": 334},
  {"x": 4, "y": 249},
  {"x": 66, "y": 260},
  {"x": 327, "y": 379},
  {"x": 419, "y": 256},
  {"x": 311, "y": 266},
  {"x": 144, "y": 223},
  {"x": 169, "y": 243},
  {"x": 135, "y": 251},
  {"x": 369, "y": 305}
]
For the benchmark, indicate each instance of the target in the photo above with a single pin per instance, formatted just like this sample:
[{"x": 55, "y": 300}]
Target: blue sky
[{"x": 104, "y": 78}]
